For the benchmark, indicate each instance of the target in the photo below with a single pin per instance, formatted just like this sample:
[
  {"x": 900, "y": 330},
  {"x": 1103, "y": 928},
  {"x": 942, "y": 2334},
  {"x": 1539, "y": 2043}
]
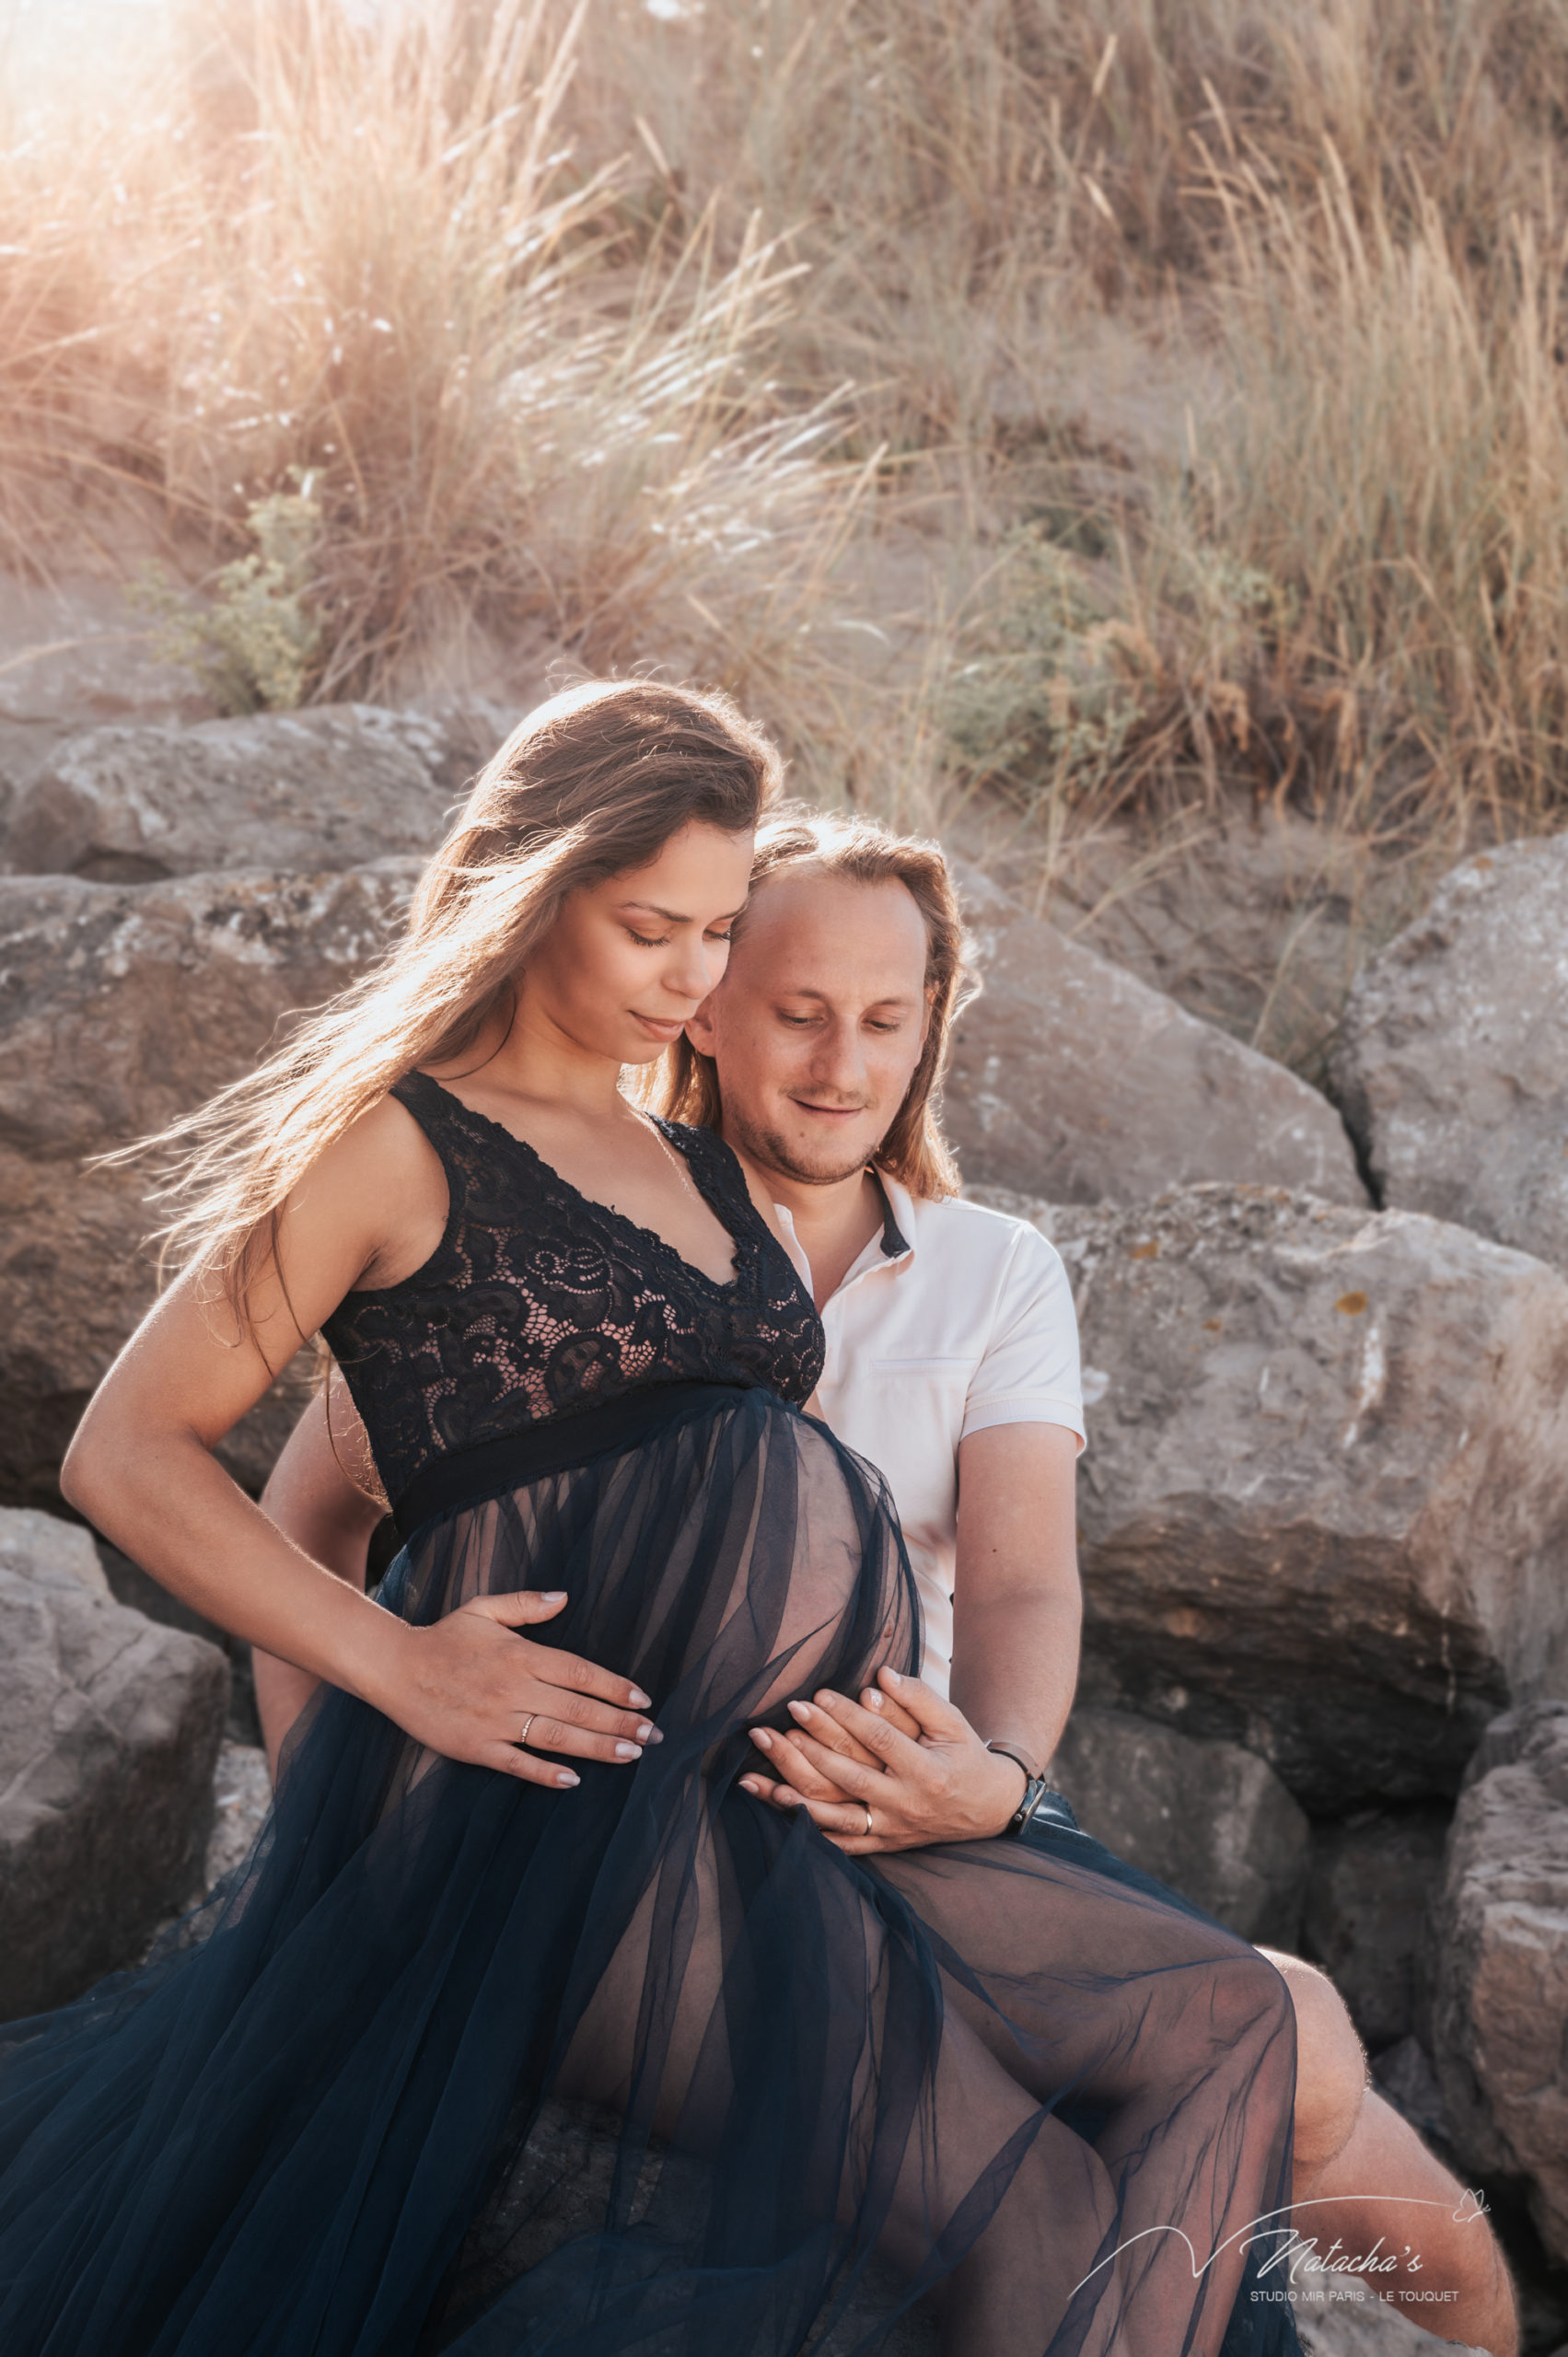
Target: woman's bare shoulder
[{"x": 382, "y": 1178}]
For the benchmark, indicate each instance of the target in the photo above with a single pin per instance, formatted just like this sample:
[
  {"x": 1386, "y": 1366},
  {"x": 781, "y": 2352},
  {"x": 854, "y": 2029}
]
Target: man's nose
[{"x": 837, "y": 1060}]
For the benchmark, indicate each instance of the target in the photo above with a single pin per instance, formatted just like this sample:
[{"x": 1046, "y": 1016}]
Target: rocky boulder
[
  {"x": 331, "y": 788},
  {"x": 109, "y": 1727},
  {"x": 1340, "y": 2316},
  {"x": 43, "y": 1544},
  {"x": 119, "y": 1008},
  {"x": 1450, "y": 1061},
  {"x": 1499, "y": 2004},
  {"x": 1367, "y": 1894},
  {"x": 1324, "y": 1508},
  {"x": 1210, "y": 1819},
  {"x": 242, "y": 1795},
  {"x": 1074, "y": 1082}
]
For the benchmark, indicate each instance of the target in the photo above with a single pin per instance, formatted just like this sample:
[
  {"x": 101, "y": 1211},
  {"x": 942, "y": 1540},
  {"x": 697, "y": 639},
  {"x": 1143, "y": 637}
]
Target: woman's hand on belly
[
  {"x": 466, "y": 1686},
  {"x": 912, "y": 1759}
]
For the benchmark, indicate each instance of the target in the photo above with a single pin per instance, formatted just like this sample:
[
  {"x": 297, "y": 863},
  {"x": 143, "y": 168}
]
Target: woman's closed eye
[{"x": 662, "y": 940}]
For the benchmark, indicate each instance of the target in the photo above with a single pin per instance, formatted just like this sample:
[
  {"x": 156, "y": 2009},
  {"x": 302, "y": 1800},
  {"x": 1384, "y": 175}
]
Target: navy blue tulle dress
[{"x": 456, "y": 2062}]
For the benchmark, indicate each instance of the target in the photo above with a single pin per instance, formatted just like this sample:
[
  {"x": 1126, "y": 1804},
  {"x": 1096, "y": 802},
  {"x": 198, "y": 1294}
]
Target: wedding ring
[
  {"x": 526, "y": 1724},
  {"x": 867, "y": 1817}
]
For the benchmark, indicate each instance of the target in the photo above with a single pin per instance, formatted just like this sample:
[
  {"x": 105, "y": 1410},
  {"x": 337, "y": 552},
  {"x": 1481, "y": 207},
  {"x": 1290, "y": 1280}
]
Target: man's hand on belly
[{"x": 902, "y": 1751}]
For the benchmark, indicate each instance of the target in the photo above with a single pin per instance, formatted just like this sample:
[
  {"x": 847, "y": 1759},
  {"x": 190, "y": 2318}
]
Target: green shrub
[{"x": 256, "y": 644}]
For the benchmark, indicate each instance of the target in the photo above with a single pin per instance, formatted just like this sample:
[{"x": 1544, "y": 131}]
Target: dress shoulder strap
[
  {"x": 718, "y": 1174},
  {"x": 713, "y": 1162},
  {"x": 432, "y": 1107},
  {"x": 448, "y": 1125}
]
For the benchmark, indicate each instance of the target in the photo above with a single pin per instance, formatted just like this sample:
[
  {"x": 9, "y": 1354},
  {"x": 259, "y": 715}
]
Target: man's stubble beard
[{"x": 768, "y": 1148}]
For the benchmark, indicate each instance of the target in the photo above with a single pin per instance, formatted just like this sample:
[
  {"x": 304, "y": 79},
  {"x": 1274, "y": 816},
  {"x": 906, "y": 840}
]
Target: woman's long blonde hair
[
  {"x": 684, "y": 1084},
  {"x": 589, "y": 785}
]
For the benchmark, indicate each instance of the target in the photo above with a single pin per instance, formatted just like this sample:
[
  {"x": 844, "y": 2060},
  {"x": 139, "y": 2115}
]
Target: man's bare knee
[{"x": 1332, "y": 2073}]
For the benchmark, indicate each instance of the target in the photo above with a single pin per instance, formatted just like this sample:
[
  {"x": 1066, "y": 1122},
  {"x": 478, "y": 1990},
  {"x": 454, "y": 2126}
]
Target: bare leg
[
  {"x": 1007, "y": 2295},
  {"x": 1365, "y": 2181},
  {"x": 282, "y": 1692},
  {"x": 1182, "y": 2034},
  {"x": 1366, "y": 2196}
]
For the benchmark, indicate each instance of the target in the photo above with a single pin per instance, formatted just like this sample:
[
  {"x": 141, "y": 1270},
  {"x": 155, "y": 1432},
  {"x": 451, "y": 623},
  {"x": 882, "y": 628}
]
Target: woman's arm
[
  {"x": 140, "y": 1465},
  {"x": 920, "y": 1763},
  {"x": 323, "y": 1495},
  {"x": 141, "y": 1468}
]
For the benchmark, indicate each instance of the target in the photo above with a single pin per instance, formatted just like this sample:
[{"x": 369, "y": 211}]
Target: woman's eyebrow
[{"x": 672, "y": 916}]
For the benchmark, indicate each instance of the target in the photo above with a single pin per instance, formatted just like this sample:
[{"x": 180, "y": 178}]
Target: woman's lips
[{"x": 657, "y": 1030}]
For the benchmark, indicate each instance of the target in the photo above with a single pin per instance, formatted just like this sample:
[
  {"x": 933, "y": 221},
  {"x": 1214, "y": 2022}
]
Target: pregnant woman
[{"x": 495, "y": 1925}]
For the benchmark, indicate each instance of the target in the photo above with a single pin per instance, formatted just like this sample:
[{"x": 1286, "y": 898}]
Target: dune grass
[
  {"x": 745, "y": 338},
  {"x": 309, "y": 251}
]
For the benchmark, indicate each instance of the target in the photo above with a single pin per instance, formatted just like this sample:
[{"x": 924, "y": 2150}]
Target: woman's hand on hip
[
  {"x": 468, "y": 1685},
  {"x": 903, "y": 1752}
]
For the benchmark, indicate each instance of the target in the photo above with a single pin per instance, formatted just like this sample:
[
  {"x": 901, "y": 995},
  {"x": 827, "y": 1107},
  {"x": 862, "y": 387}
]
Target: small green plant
[
  {"x": 1059, "y": 683},
  {"x": 255, "y": 643},
  {"x": 1087, "y": 683}
]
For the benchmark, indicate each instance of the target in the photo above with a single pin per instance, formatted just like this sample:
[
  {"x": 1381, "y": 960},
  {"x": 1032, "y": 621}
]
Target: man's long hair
[{"x": 685, "y": 1085}]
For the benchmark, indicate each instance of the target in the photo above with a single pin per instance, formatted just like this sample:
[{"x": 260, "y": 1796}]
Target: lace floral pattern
[{"x": 539, "y": 1301}]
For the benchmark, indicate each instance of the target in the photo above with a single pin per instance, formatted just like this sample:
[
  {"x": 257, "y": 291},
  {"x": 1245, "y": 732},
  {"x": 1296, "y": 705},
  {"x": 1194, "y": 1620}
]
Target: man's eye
[{"x": 797, "y": 1022}]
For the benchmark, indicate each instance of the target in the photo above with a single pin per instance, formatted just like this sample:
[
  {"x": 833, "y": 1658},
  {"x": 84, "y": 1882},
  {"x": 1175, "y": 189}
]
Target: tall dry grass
[
  {"x": 1393, "y": 444},
  {"x": 559, "y": 302},
  {"x": 361, "y": 249},
  {"x": 1338, "y": 224}
]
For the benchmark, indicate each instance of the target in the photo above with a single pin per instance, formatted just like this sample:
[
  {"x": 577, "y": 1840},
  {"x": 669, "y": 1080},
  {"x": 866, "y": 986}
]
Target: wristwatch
[{"x": 1035, "y": 1790}]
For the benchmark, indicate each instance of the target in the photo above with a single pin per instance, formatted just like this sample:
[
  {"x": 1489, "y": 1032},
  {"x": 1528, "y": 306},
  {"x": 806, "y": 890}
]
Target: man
[{"x": 951, "y": 1364}]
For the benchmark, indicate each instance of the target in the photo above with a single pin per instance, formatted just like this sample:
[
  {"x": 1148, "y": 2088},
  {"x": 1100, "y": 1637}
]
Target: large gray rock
[
  {"x": 331, "y": 788},
  {"x": 1367, "y": 1896},
  {"x": 1073, "y": 1081},
  {"x": 242, "y": 1793},
  {"x": 33, "y": 1542},
  {"x": 1210, "y": 1819},
  {"x": 1500, "y": 2003},
  {"x": 1324, "y": 1506},
  {"x": 75, "y": 649},
  {"x": 109, "y": 1727},
  {"x": 1339, "y": 2315},
  {"x": 120, "y": 1008},
  {"x": 1452, "y": 1058}
]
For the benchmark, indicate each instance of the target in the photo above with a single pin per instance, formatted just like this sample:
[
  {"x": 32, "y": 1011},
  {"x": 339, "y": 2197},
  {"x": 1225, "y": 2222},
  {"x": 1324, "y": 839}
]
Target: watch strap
[{"x": 1034, "y": 1792}]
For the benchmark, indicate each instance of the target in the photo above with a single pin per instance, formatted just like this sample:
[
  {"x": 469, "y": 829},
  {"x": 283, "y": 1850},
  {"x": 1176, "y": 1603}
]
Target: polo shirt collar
[
  {"x": 896, "y": 1216},
  {"x": 891, "y": 1248}
]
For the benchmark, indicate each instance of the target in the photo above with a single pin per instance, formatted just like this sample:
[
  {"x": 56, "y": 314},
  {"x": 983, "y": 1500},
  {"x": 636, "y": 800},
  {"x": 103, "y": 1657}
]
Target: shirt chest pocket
[
  {"x": 926, "y": 1394},
  {"x": 920, "y": 1403}
]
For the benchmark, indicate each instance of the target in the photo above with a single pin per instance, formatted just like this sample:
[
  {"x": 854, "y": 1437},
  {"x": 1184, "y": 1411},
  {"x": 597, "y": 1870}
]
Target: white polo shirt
[{"x": 953, "y": 1318}]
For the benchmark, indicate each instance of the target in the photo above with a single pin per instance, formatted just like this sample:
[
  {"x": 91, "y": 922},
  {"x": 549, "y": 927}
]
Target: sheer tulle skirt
[{"x": 457, "y": 2062}]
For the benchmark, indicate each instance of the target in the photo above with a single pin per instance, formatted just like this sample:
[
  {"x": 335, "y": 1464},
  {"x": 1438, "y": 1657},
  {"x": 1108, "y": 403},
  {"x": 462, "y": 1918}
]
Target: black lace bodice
[{"x": 539, "y": 1301}]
